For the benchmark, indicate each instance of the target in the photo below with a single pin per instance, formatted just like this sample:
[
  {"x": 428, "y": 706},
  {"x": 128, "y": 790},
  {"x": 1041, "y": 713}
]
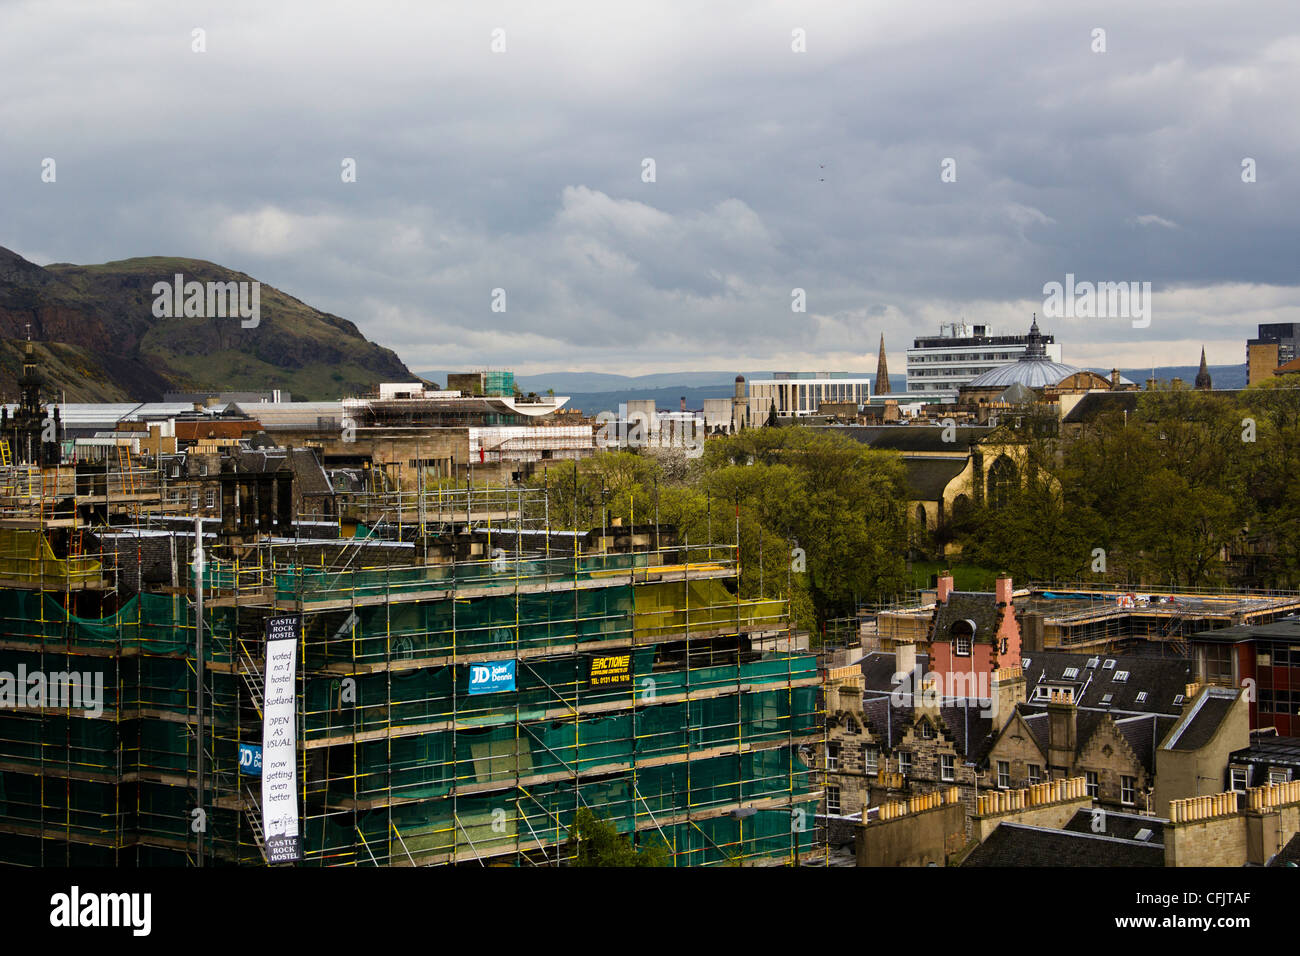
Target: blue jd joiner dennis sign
[{"x": 488, "y": 678}]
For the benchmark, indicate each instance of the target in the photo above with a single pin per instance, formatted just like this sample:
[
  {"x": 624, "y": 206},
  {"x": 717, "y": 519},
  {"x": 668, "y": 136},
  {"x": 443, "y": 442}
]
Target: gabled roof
[
  {"x": 979, "y": 607},
  {"x": 928, "y": 478},
  {"x": 916, "y": 438},
  {"x": 1095, "y": 404},
  {"x": 1206, "y": 717},
  {"x": 1123, "y": 826},
  {"x": 1015, "y": 844},
  {"x": 1144, "y": 733}
]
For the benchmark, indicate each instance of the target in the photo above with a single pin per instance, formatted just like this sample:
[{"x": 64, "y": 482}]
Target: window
[
  {"x": 1071, "y": 673},
  {"x": 871, "y": 758},
  {"x": 1109, "y": 665},
  {"x": 194, "y": 499},
  {"x": 1004, "y": 774},
  {"x": 832, "y": 756},
  {"x": 1238, "y": 779},
  {"x": 1178, "y": 698},
  {"x": 947, "y": 772},
  {"x": 1106, "y": 699},
  {"x": 176, "y": 470},
  {"x": 926, "y": 730},
  {"x": 833, "y": 800},
  {"x": 1024, "y": 662},
  {"x": 1120, "y": 676},
  {"x": 1141, "y": 697},
  {"x": 904, "y": 763},
  {"x": 203, "y": 468},
  {"x": 1093, "y": 661},
  {"x": 1035, "y": 774},
  {"x": 1092, "y": 783},
  {"x": 1278, "y": 775},
  {"x": 1127, "y": 789},
  {"x": 212, "y": 498},
  {"x": 850, "y": 725}
]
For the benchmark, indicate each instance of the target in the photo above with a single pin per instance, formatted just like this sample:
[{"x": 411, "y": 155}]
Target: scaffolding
[{"x": 699, "y": 749}]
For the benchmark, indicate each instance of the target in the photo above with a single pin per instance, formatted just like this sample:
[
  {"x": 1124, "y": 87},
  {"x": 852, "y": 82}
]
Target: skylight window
[
  {"x": 1142, "y": 697},
  {"x": 1178, "y": 698},
  {"x": 1144, "y": 834},
  {"x": 1024, "y": 662},
  {"x": 1093, "y": 661},
  {"x": 1071, "y": 673},
  {"x": 1109, "y": 665},
  {"x": 1120, "y": 676},
  {"x": 1106, "y": 699}
]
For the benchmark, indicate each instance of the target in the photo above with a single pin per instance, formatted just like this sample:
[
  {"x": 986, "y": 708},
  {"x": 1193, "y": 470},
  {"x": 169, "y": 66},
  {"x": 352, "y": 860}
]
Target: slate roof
[
  {"x": 1015, "y": 844},
  {"x": 309, "y": 476},
  {"x": 878, "y": 669},
  {"x": 915, "y": 438},
  {"x": 887, "y": 721},
  {"x": 1094, "y": 404},
  {"x": 981, "y": 607},
  {"x": 1204, "y": 721},
  {"x": 1270, "y": 751},
  {"x": 1122, "y": 826},
  {"x": 928, "y": 477},
  {"x": 1289, "y": 855},
  {"x": 1284, "y": 628},
  {"x": 1144, "y": 734},
  {"x": 1161, "y": 679}
]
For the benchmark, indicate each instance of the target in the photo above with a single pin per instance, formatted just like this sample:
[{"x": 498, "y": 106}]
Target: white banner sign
[{"x": 280, "y": 743}]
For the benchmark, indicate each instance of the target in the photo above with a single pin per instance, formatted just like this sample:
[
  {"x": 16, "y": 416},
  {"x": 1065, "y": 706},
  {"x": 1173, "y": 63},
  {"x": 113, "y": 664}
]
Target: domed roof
[{"x": 1033, "y": 370}]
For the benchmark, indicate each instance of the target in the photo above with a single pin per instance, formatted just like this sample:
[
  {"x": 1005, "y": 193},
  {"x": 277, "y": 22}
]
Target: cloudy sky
[{"x": 524, "y": 169}]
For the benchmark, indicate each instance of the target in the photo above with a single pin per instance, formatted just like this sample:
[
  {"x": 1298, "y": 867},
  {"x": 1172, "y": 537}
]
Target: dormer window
[
  {"x": 926, "y": 729},
  {"x": 962, "y": 633}
]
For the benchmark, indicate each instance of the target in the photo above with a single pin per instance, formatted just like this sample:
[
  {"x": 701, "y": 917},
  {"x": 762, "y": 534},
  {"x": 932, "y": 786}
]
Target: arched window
[
  {"x": 1003, "y": 480},
  {"x": 920, "y": 515},
  {"x": 850, "y": 725}
]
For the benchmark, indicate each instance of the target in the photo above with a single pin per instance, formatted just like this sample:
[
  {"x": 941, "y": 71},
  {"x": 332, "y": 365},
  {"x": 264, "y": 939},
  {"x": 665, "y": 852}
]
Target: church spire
[
  {"x": 882, "y": 370},
  {"x": 1203, "y": 381}
]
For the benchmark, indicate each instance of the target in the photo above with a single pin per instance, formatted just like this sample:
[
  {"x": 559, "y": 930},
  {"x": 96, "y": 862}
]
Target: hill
[{"x": 99, "y": 340}]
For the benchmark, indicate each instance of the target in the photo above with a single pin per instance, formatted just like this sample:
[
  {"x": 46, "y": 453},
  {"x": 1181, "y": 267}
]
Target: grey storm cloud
[{"x": 522, "y": 170}]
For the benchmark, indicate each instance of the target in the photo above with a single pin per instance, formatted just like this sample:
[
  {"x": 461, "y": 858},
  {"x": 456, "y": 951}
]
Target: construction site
[
  {"x": 464, "y": 679},
  {"x": 1095, "y": 618}
]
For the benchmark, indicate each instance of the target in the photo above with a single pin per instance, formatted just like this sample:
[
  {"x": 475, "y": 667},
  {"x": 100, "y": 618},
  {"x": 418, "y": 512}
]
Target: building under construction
[
  {"x": 464, "y": 680},
  {"x": 1096, "y": 619}
]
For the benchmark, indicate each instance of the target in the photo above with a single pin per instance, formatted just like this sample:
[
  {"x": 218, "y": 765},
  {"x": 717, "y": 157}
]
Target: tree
[
  {"x": 772, "y": 421},
  {"x": 598, "y": 843}
]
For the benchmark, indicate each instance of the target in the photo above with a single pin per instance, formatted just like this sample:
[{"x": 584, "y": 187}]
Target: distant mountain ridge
[{"x": 97, "y": 338}]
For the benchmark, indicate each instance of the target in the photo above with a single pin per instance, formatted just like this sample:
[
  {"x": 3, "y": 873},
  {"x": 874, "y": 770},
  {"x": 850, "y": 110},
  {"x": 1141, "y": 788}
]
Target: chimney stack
[
  {"x": 1062, "y": 730},
  {"x": 1002, "y": 589},
  {"x": 905, "y": 658},
  {"x": 944, "y": 586}
]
